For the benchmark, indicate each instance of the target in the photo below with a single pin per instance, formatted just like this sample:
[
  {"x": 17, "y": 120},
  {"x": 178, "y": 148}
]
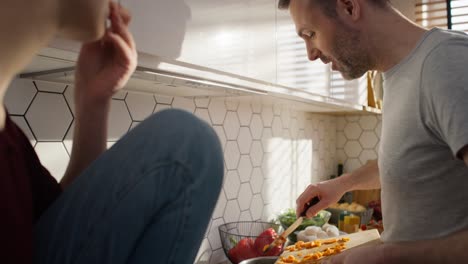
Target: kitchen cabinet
[{"x": 232, "y": 36}]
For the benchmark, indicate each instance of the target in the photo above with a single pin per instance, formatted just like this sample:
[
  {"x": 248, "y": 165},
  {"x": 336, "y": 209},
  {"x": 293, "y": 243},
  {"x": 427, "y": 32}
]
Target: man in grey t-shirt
[{"x": 423, "y": 158}]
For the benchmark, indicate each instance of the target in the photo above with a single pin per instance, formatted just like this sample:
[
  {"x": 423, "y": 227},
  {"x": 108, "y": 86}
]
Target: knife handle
[{"x": 312, "y": 202}]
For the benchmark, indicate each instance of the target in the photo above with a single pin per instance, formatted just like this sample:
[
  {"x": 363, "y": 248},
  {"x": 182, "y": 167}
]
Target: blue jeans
[{"x": 148, "y": 199}]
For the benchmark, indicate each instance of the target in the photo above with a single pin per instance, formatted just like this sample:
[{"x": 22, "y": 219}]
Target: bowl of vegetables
[
  {"x": 288, "y": 217},
  {"x": 247, "y": 239}
]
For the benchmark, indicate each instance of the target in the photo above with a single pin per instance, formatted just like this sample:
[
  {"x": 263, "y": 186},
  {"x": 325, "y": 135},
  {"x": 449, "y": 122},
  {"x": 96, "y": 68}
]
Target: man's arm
[
  {"x": 103, "y": 68},
  {"x": 450, "y": 249},
  {"x": 365, "y": 178}
]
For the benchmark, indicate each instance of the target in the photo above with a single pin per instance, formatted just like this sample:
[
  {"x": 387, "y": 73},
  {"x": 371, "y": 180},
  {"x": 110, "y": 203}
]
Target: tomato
[
  {"x": 242, "y": 251},
  {"x": 264, "y": 239}
]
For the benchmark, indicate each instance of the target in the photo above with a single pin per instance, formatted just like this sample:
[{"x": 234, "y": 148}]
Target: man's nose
[{"x": 313, "y": 54}]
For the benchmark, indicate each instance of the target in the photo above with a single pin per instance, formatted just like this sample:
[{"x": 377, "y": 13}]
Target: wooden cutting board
[{"x": 356, "y": 239}]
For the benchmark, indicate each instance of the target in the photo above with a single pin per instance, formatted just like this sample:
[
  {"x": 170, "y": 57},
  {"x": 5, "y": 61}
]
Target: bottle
[
  {"x": 351, "y": 223},
  {"x": 341, "y": 219}
]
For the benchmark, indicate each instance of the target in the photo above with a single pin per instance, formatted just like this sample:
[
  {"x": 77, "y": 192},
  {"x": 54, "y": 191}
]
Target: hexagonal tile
[
  {"x": 140, "y": 105},
  {"x": 340, "y": 140},
  {"x": 110, "y": 144},
  {"x": 21, "y": 123},
  {"x": 68, "y": 140},
  {"x": 231, "y": 184},
  {"x": 340, "y": 123},
  {"x": 54, "y": 157},
  {"x": 202, "y": 102},
  {"x": 120, "y": 95},
  {"x": 352, "y": 131},
  {"x": 222, "y": 137},
  {"x": 267, "y": 138},
  {"x": 244, "y": 140},
  {"x": 217, "y": 110},
  {"x": 267, "y": 115},
  {"x": 245, "y": 113},
  {"x": 231, "y": 155},
  {"x": 232, "y": 104},
  {"x": 353, "y": 149},
  {"x": 204, "y": 252},
  {"x": 321, "y": 130},
  {"x": 352, "y": 165},
  {"x": 220, "y": 206},
  {"x": 295, "y": 129},
  {"x": 268, "y": 190},
  {"x": 256, "y": 127},
  {"x": 161, "y": 107},
  {"x": 368, "y": 139},
  {"x": 186, "y": 104},
  {"x": 341, "y": 156},
  {"x": 245, "y": 216},
  {"x": 256, "y": 207},
  {"x": 245, "y": 196},
  {"x": 245, "y": 168},
  {"x": 256, "y": 181},
  {"x": 277, "y": 108},
  {"x": 213, "y": 234},
  {"x": 203, "y": 115},
  {"x": 378, "y": 129},
  {"x": 162, "y": 99},
  {"x": 231, "y": 126},
  {"x": 43, "y": 86},
  {"x": 301, "y": 120},
  {"x": 218, "y": 256},
  {"x": 256, "y": 107},
  {"x": 256, "y": 154},
  {"x": 366, "y": 155},
  {"x": 134, "y": 124},
  {"x": 277, "y": 127},
  {"x": 285, "y": 117},
  {"x": 49, "y": 117},
  {"x": 70, "y": 98},
  {"x": 119, "y": 120},
  {"x": 368, "y": 122},
  {"x": 232, "y": 212},
  {"x": 19, "y": 96},
  {"x": 352, "y": 118}
]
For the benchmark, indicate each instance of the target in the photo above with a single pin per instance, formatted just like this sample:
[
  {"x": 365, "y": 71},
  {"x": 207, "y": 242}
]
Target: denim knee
[{"x": 187, "y": 135}]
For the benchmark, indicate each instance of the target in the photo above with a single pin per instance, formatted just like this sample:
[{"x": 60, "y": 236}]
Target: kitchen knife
[{"x": 281, "y": 239}]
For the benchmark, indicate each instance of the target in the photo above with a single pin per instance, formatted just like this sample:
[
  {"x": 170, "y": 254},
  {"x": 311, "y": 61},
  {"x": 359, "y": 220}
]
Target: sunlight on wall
[{"x": 288, "y": 170}]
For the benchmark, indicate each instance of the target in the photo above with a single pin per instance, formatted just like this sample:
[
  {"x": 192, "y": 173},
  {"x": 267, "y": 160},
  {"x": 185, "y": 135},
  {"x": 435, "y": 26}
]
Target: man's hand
[
  {"x": 328, "y": 192},
  {"x": 104, "y": 66}
]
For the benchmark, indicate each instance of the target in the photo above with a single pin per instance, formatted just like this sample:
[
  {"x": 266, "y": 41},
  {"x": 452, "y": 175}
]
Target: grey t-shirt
[{"x": 424, "y": 126}]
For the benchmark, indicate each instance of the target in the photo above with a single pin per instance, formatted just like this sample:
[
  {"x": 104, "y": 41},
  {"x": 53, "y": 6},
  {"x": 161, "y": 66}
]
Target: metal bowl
[{"x": 260, "y": 260}]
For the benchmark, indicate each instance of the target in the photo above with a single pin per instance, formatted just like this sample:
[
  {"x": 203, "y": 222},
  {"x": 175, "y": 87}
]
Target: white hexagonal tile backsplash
[{"x": 267, "y": 149}]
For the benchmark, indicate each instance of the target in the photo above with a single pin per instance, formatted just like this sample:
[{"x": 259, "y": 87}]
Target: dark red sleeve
[{"x": 26, "y": 190}]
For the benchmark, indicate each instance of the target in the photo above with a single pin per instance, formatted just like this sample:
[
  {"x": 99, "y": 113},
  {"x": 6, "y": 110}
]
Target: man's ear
[{"x": 348, "y": 9}]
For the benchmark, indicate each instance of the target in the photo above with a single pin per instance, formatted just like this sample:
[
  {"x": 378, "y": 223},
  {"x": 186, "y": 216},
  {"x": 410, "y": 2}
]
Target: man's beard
[{"x": 351, "y": 59}]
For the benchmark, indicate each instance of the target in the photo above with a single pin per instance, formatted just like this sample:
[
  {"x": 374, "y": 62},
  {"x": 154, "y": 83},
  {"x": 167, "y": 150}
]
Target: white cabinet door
[{"x": 229, "y": 35}]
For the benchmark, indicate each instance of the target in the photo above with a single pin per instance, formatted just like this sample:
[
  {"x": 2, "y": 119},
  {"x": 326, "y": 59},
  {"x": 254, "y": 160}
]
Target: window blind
[{"x": 452, "y": 14}]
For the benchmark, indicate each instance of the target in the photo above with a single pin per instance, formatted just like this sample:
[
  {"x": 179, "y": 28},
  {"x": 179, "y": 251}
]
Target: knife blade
[{"x": 281, "y": 239}]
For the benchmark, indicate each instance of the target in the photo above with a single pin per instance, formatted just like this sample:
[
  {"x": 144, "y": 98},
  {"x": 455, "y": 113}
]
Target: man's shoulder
[{"x": 444, "y": 41}]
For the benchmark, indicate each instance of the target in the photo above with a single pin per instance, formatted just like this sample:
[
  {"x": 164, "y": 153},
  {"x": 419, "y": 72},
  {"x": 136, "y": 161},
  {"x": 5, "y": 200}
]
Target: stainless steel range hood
[
  {"x": 51, "y": 66},
  {"x": 161, "y": 76}
]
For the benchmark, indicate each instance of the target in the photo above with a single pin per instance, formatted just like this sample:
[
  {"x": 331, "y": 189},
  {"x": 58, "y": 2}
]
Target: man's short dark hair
[{"x": 328, "y": 6}]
